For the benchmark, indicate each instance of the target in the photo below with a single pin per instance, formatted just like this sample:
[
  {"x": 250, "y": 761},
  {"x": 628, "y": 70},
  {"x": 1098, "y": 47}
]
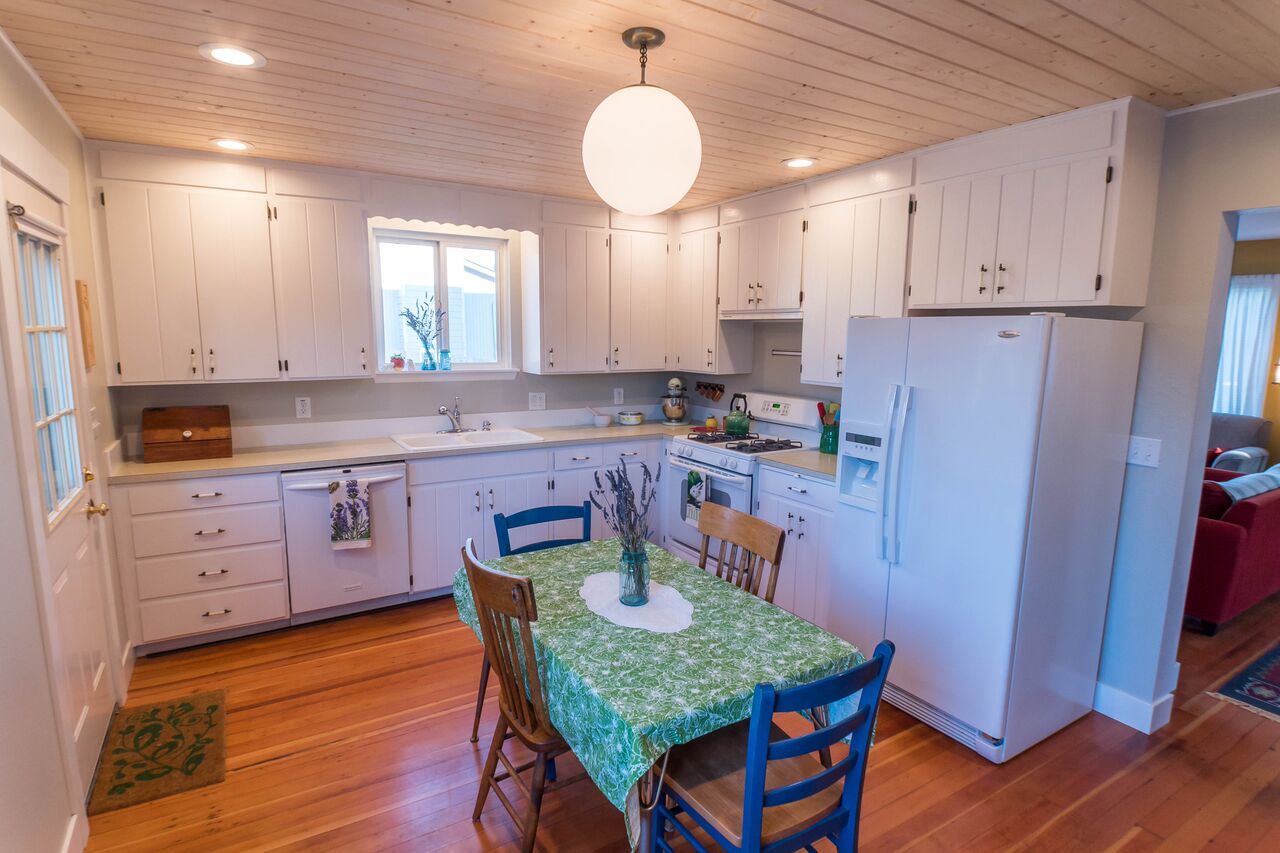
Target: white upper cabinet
[
  {"x": 1057, "y": 212},
  {"x": 760, "y": 265},
  {"x": 232, "y": 249},
  {"x": 322, "y": 284},
  {"x": 568, "y": 310},
  {"x": 854, "y": 265},
  {"x": 697, "y": 340},
  {"x": 150, "y": 253},
  {"x": 191, "y": 283},
  {"x": 638, "y": 300}
]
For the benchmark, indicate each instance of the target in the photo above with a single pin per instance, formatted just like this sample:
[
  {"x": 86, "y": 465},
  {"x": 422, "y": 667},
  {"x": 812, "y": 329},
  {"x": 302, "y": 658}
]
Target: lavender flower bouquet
[{"x": 626, "y": 511}]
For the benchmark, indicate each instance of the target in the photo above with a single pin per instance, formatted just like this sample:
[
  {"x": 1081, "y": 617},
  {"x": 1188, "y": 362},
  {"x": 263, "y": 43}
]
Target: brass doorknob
[
  {"x": 97, "y": 509},
  {"x": 88, "y": 474}
]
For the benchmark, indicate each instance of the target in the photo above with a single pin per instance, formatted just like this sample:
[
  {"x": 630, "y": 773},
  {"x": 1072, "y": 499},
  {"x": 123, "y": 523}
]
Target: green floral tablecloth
[{"x": 622, "y": 697}]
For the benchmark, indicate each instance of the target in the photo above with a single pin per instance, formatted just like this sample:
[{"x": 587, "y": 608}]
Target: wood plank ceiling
[{"x": 497, "y": 92}]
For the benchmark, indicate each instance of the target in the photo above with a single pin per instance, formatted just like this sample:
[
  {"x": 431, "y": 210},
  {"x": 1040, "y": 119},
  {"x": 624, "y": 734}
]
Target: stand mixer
[{"x": 674, "y": 402}]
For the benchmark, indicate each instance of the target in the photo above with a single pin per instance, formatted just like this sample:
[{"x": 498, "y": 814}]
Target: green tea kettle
[{"x": 737, "y": 422}]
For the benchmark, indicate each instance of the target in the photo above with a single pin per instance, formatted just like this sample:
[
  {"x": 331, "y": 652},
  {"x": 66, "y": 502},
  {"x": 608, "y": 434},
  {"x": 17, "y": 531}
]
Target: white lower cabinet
[{"x": 803, "y": 507}]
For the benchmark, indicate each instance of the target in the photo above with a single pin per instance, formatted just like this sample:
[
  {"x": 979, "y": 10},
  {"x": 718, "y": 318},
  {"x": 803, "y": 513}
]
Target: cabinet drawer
[
  {"x": 217, "y": 610},
  {"x": 630, "y": 452},
  {"x": 178, "y": 574},
  {"x": 476, "y": 466},
  {"x": 799, "y": 488},
  {"x": 172, "y": 495},
  {"x": 582, "y": 456},
  {"x": 181, "y": 532}
]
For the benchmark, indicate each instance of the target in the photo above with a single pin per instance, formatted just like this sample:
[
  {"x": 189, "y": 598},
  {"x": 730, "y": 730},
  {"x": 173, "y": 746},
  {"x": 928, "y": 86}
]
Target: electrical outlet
[
  {"x": 302, "y": 407},
  {"x": 537, "y": 401},
  {"x": 617, "y": 396},
  {"x": 1144, "y": 451}
]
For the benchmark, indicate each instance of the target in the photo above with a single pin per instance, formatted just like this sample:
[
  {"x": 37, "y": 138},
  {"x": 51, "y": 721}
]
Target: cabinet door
[
  {"x": 891, "y": 255},
  {"x": 442, "y": 517},
  {"x": 510, "y": 495},
  {"x": 812, "y": 536},
  {"x": 751, "y": 235},
  {"x": 233, "y": 285},
  {"x": 980, "y": 239},
  {"x": 571, "y": 489},
  {"x": 153, "y": 285},
  {"x": 866, "y": 244},
  {"x": 781, "y": 513},
  {"x": 828, "y": 264},
  {"x": 355, "y": 298},
  {"x": 1082, "y": 235},
  {"x": 310, "y": 299},
  {"x": 694, "y": 322},
  {"x": 1013, "y": 236},
  {"x": 638, "y": 300},
  {"x": 705, "y": 347},
  {"x": 575, "y": 299},
  {"x": 780, "y": 278},
  {"x": 732, "y": 286}
]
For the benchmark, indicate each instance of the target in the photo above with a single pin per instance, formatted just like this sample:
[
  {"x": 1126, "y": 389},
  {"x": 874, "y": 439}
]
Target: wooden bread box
[{"x": 179, "y": 433}]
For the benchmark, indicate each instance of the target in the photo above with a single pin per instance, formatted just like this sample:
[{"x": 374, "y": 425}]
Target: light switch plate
[
  {"x": 617, "y": 396},
  {"x": 302, "y": 407},
  {"x": 537, "y": 401},
  {"x": 1144, "y": 451}
]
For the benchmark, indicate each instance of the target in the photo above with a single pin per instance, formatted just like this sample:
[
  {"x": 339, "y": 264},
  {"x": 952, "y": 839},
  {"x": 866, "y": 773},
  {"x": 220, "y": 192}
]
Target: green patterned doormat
[{"x": 159, "y": 749}]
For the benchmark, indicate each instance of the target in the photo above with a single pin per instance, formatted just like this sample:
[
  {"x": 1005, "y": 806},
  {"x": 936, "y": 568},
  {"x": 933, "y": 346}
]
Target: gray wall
[{"x": 1216, "y": 161}]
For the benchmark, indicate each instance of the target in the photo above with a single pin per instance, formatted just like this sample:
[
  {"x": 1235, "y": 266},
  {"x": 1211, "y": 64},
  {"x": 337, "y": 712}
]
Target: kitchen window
[{"x": 465, "y": 278}]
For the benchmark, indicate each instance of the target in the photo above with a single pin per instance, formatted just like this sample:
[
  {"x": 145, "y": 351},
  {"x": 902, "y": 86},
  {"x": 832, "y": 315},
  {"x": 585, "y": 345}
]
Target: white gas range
[{"x": 721, "y": 468}]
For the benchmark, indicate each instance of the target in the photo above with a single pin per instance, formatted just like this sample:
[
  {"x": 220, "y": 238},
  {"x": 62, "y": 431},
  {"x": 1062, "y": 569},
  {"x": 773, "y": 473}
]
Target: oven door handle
[{"x": 723, "y": 476}]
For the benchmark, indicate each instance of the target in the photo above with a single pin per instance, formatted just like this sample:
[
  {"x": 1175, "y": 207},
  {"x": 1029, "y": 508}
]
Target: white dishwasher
[{"x": 323, "y": 577}]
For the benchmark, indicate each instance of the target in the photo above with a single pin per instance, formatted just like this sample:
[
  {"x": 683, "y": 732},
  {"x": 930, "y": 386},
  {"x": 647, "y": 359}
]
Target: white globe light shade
[{"x": 641, "y": 150}]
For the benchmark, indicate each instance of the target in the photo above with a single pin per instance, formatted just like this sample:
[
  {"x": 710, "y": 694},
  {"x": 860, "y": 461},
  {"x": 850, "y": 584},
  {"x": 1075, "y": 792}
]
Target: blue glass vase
[
  {"x": 428, "y": 360},
  {"x": 633, "y": 578},
  {"x": 446, "y": 360}
]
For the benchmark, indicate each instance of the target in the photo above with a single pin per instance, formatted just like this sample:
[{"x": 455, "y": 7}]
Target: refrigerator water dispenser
[{"x": 861, "y": 467}]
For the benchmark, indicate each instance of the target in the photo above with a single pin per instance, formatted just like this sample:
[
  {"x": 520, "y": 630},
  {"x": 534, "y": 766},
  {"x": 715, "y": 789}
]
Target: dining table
[{"x": 622, "y": 697}]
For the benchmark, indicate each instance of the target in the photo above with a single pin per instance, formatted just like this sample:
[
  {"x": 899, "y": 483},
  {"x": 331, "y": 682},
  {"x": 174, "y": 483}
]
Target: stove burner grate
[
  {"x": 721, "y": 437},
  {"x": 763, "y": 445}
]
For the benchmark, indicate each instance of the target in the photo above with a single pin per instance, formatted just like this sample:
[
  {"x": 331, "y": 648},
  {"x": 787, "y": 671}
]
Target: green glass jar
[{"x": 830, "y": 438}]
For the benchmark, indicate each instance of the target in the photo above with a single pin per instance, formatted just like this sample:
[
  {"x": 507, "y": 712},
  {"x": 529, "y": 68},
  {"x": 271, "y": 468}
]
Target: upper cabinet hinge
[
  {"x": 118, "y": 371},
  {"x": 804, "y": 225},
  {"x": 1110, "y": 172},
  {"x": 408, "y": 500},
  {"x": 908, "y": 290},
  {"x": 268, "y": 211},
  {"x": 607, "y": 241},
  {"x": 911, "y": 206},
  {"x": 102, "y": 197},
  {"x": 1097, "y": 283},
  {"x": 802, "y": 297},
  {"x": 719, "y": 238}
]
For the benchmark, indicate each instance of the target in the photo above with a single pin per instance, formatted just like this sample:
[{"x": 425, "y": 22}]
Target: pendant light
[{"x": 642, "y": 149}]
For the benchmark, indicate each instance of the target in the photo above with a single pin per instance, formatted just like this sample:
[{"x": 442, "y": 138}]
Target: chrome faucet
[{"x": 454, "y": 416}]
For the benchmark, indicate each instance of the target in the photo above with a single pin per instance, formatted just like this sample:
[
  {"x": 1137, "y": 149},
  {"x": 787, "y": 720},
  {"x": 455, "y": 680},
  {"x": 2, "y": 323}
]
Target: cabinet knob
[{"x": 186, "y": 434}]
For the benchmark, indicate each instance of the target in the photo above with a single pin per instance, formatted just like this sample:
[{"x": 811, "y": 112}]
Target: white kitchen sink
[{"x": 443, "y": 441}]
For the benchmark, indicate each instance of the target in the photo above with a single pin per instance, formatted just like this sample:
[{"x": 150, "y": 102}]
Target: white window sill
[{"x": 455, "y": 375}]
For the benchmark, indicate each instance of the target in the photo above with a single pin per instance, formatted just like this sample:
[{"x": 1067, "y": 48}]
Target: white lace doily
[{"x": 666, "y": 612}]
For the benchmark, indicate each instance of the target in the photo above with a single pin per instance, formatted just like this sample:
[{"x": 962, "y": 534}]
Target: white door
[
  {"x": 63, "y": 512},
  {"x": 511, "y": 495},
  {"x": 976, "y": 384},
  {"x": 980, "y": 239},
  {"x": 732, "y": 286},
  {"x": 153, "y": 282},
  {"x": 781, "y": 246},
  {"x": 442, "y": 517},
  {"x": 233, "y": 283},
  {"x": 572, "y": 487},
  {"x": 694, "y": 320},
  {"x": 638, "y": 300},
  {"x": 575, "y": 299},
  {"x": 1013, "y": 236},
  {"x": 813, "y": 536},
  {"x": 828, "y": 265},
  {"x": 322, "y": 283}
]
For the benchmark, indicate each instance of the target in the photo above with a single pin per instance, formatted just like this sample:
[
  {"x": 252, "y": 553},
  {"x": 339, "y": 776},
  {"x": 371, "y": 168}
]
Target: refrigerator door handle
[
  {"x": 893, "y": 477},
  {"x": 895, "y": 392}
]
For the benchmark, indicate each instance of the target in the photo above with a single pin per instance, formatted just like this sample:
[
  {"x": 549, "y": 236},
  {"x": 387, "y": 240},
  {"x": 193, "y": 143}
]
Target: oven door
[{"x": 688, "y": 486}]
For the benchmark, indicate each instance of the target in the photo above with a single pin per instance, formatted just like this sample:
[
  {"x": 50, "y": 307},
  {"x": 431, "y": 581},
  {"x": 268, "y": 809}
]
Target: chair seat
[{"x": 710, "y": 775}]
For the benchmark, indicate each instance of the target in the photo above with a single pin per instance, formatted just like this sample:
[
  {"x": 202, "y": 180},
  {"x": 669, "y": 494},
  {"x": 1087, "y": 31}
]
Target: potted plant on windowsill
[
  {"x": 397, "y": 362},
  {"x": 626, "y": 510},
  {"x": 427, "y": 322}
]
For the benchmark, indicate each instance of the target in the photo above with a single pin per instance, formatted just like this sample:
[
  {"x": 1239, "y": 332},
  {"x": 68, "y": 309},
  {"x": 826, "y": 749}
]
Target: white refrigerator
[{"x": 981, "y": 461}]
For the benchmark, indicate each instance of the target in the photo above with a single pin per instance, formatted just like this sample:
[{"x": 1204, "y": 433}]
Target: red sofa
[{"x": 1236, "y": 559}]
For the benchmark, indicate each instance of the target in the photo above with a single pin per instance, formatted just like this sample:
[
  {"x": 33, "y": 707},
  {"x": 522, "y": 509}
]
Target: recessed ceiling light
[
  {"x": 799, "y": 162},
  {"x": 231, "y": 144},
  {"x": 230, "y": 54}
]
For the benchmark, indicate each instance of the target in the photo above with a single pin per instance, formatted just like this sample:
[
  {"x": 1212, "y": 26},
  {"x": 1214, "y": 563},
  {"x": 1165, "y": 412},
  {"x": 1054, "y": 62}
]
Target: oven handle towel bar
[{"x": 723, "y": 476}]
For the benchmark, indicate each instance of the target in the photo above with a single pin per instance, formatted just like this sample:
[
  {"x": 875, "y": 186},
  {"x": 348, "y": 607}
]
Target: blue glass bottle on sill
[{"x": 446, "y": 360}]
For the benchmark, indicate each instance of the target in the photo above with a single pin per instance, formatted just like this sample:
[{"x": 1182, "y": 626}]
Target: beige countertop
[
  {"x": 811, "y": 462},
  {"x": 299, "y": 457}
]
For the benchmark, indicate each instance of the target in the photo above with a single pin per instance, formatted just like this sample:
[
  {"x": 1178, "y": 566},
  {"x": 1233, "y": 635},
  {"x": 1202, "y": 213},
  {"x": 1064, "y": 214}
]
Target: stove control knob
[{"x": 724, "y": 461}]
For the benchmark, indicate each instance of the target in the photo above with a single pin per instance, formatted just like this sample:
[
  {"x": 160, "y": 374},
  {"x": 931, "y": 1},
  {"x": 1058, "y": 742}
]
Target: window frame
[{"x": 404, "y": 232}]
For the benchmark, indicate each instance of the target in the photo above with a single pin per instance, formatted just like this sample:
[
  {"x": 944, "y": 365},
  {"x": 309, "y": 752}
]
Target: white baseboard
[{"x": 1135, "y": 713}]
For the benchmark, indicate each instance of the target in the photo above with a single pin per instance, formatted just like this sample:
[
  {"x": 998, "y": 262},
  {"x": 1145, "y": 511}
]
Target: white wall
[{"x": 1216, "y": 161}]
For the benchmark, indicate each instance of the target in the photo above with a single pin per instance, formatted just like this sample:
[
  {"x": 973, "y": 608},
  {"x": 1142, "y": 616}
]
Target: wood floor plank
[{"x": 352, "y": 735}]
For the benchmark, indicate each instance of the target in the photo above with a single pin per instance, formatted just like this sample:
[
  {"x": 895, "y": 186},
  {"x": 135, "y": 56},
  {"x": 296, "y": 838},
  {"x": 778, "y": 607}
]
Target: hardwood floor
[{"x": 353, "y": 735}]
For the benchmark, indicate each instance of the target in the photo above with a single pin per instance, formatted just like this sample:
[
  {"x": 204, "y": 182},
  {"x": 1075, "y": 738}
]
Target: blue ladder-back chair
[
  {"x": 719, "y": 780},
  {"x": 503, "y": 525}
]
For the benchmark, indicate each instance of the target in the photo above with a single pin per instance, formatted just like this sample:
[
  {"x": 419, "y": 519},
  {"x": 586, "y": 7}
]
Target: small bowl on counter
[{"x": 630, "y": 418}]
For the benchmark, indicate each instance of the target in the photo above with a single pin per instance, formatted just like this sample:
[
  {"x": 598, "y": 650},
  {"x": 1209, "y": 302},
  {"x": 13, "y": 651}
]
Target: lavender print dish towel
[{"x": 350, "y": 524}]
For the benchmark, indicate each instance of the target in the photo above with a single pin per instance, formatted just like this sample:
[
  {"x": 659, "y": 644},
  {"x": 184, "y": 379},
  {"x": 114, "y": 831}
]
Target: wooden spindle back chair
[{"x": 750, "y": 549}]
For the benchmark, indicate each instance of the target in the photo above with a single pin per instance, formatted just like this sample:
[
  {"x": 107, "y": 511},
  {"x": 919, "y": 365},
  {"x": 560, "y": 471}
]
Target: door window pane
[{"x": 49, "y": 370}]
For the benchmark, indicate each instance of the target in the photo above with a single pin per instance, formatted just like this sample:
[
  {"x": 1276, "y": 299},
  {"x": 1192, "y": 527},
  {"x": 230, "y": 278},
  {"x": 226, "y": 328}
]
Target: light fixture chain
[{"x": 644, "y": 59}]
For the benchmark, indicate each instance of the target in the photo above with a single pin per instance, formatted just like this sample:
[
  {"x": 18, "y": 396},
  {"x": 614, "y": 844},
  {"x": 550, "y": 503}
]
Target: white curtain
[{"x": 1247, "y": 334}]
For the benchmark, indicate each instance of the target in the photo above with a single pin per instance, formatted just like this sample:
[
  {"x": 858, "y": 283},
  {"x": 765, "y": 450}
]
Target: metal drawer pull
[
  {"x": 579, "y": 458},
  {"x": 214, "y": 573},
  {"x": 211, "y": 532},
  {"x": 491, "y": 499},
  {"x": 199, "y": 495},
  {"x": 630, "y": 453},
  {"x": 797, "y": 491},
  {"x": 477, "y": 500},
  {"x": 223, "y": 612}
]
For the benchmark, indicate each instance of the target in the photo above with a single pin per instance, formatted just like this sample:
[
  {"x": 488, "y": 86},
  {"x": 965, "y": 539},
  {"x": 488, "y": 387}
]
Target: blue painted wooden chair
[
  {"x": 503, "y": 525},
  {"x": 719, "y": 780}
]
